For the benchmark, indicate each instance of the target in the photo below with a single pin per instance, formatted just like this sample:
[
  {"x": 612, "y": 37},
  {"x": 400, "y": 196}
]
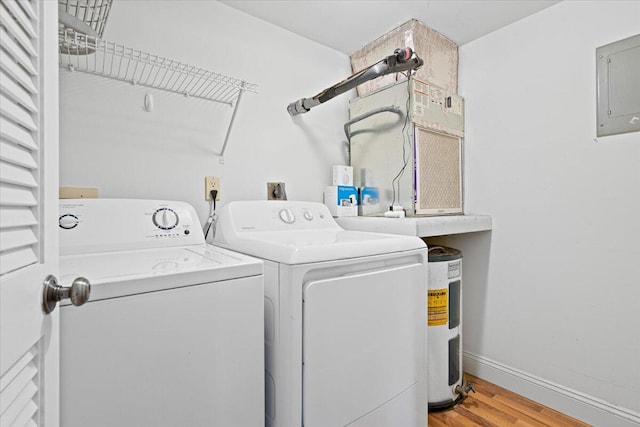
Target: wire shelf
[{"x": 81, "y": 52}]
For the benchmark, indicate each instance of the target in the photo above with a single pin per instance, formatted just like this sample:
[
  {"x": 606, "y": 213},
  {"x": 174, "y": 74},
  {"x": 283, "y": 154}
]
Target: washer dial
[
  {"x": 165, "y": 219},
  {"x": 68, "y": 221}
]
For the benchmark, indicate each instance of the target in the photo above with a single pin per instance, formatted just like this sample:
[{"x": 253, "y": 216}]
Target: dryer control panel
[
  {"x": 98, "y": 225},
  {"x": 274, "y": 215}
]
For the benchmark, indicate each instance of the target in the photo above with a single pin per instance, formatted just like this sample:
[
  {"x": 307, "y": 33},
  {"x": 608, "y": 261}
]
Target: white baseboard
[{"x": 578, "y": 405}]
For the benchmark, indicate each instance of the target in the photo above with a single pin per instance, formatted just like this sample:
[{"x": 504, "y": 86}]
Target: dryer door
[{"x": 363, "y": 343}]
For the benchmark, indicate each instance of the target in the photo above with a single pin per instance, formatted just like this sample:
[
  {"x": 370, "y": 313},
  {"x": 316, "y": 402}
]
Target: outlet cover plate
[
  {"x": 211, "y": 183},
  {"x": 78, "y": 193}
]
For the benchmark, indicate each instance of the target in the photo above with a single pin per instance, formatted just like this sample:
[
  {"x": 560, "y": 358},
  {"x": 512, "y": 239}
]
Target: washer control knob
[
  {"x": 308, "y": 215},
  {"x": 68, "y": 221},
  {"x": 165, "y": 219},
  {"x": 286, "y": 215}
]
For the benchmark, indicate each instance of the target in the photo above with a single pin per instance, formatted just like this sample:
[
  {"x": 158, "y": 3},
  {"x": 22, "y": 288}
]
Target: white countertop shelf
[{"x": 418, "y": 226}]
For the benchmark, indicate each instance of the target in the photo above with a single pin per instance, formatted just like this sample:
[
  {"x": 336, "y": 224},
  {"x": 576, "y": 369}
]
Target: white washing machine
[
  {"x": 172, "y": 334},
  {"x": 344, "y": 316}
]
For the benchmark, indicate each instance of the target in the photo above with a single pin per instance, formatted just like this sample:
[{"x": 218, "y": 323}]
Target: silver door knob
[{"x": 78, "y": 292}]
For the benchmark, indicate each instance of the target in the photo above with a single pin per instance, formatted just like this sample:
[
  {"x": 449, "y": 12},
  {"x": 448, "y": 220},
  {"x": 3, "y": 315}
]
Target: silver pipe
[{"x": 388, "y": 65}]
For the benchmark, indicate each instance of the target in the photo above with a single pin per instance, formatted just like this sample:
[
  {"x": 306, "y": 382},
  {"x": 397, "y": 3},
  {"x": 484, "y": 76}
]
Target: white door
[{"x": 28, "y": 211}]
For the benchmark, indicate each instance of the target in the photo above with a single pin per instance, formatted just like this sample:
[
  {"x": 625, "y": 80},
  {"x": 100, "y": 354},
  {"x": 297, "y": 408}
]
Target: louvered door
[{"x": 28, "y": 211}]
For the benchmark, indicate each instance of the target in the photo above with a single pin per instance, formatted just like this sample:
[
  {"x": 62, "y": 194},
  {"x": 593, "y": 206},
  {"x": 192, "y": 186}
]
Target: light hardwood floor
[{"x": 493, "y": 406}]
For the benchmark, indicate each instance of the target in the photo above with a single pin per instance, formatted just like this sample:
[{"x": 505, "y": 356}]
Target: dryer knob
[{"x": 287, "y": 216}]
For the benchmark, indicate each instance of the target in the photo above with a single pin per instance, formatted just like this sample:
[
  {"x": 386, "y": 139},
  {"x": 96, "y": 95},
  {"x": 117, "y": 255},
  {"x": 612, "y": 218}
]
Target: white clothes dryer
[
  {"x": 345, "y": 322},
  {"x": 173, "y": 332}
]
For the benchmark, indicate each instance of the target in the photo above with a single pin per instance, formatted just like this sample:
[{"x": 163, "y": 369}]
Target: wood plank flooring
[{"x": 493, "y": 406}]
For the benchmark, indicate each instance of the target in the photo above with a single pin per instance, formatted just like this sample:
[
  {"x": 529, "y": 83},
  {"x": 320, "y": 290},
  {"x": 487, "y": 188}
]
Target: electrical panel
[{"x": 618, "y": 67}]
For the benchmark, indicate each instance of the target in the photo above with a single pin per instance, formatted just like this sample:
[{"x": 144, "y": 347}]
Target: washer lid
[{"x": 120, "y": 273}]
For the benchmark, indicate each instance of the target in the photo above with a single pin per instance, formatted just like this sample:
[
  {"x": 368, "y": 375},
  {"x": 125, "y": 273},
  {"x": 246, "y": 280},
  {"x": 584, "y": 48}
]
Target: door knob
[{"x": 78, "y": 292}]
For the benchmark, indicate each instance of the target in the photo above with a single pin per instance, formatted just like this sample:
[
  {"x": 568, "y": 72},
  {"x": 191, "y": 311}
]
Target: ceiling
[{"x": 348, "y": 25}]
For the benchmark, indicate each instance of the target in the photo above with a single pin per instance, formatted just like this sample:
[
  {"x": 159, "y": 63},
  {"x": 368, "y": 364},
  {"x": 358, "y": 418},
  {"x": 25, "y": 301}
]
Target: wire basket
[{"x": 87, "y": 17}]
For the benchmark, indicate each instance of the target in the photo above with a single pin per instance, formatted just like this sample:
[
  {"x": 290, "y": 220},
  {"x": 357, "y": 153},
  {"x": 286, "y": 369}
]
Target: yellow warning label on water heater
[{"x": 437, "y": 307}]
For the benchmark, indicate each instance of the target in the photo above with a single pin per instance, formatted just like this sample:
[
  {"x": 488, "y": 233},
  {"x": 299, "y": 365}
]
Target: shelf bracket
[{"x": 233, "y": 118}]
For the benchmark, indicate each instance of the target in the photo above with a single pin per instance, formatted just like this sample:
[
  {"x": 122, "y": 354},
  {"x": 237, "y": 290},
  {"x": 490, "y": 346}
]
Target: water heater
[{"x": 446, "y": 385}]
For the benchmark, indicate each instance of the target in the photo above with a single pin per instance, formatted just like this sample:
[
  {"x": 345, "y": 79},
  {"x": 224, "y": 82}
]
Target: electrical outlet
[
  {"x": 276, "y": 191},
  {"x": 211, "y": 183}
]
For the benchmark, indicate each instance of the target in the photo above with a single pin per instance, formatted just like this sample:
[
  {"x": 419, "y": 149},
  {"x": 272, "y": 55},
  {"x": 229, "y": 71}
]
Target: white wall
[
  {"x": 558, "y": 296},
  {"x": 109, "y": 141},
  {"x": 555, "y": 292}
]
